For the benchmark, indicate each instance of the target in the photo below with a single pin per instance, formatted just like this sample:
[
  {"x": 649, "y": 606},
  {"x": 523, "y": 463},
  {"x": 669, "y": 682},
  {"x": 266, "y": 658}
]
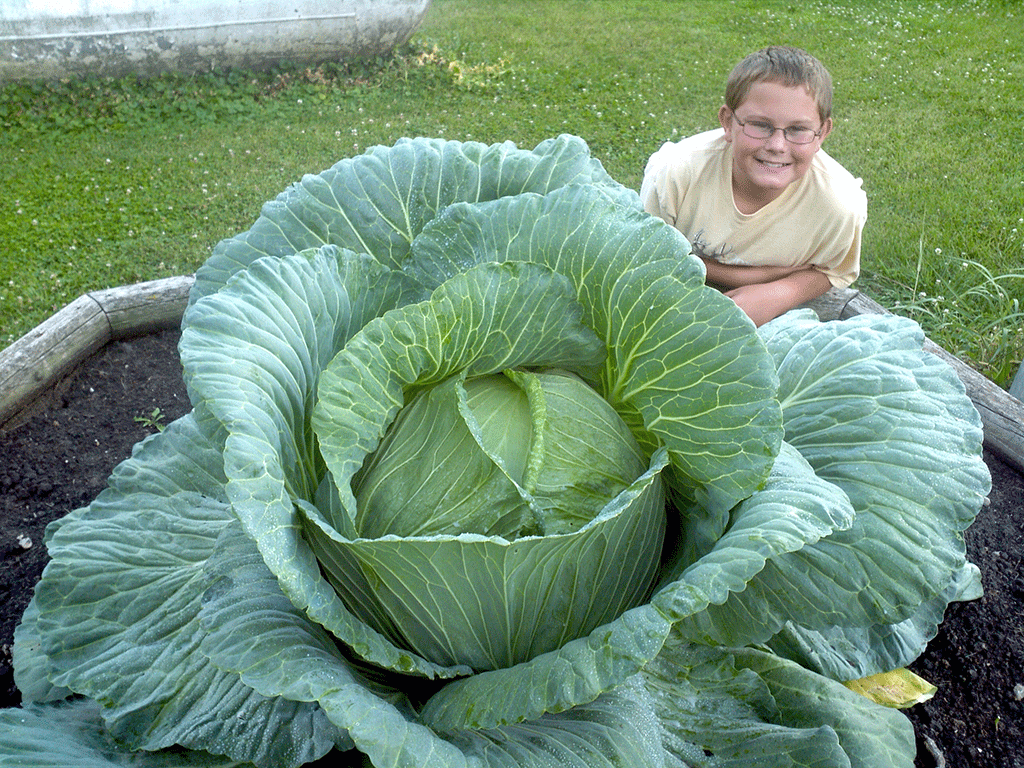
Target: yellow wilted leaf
[{"x": 900, "y": 688}]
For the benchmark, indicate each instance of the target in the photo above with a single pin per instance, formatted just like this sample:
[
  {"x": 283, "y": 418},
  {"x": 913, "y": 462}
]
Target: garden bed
[{"x": 56, "y": 455}]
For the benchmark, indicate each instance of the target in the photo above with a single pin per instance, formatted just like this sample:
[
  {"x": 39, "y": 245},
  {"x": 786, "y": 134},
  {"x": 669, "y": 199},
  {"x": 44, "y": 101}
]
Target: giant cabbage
[{"x": 479, "y": 473}]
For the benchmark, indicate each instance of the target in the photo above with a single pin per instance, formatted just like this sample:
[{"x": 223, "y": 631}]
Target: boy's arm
[
  {"x": 765, "y": 301},
  {"x": 766, "y": 292},
  {"x": 735, "y": 275}
]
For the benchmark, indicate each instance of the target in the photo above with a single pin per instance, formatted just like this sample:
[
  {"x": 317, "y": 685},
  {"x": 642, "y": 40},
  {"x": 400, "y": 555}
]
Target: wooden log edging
[{"x": 44, "y": 355}]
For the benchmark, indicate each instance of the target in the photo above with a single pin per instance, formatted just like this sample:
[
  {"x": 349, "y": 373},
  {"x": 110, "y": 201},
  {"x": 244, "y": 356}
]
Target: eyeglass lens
[{"x": 795, "y": 134}]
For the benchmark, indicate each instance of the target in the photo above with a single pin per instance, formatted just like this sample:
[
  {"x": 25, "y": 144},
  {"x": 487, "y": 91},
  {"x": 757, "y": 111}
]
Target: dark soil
[{"x": 60, "y": 455}]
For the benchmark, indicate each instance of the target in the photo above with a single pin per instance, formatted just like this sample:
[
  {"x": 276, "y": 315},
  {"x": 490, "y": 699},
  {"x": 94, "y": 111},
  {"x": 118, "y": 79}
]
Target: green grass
[{"x": 109, "y": 182}]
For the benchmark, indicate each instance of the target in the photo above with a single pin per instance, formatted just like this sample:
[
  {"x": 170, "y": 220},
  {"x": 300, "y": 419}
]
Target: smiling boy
[{"x": 776, "y": 221}]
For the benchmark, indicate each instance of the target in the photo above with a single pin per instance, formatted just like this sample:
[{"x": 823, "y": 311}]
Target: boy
[{"x": 776, "y": 221}]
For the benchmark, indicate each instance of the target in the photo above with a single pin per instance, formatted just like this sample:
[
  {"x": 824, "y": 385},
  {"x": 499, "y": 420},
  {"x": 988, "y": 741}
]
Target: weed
[
  {"x": 964, "y": 307},
  {"x": 155, "y": 420}
]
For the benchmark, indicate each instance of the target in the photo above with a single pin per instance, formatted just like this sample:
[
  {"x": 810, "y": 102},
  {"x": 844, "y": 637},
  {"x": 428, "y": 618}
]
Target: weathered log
[
  {"x": 831, "y": 305},
  {"x": 136, "y": 310},
  {"x": 50, "y": 351}
]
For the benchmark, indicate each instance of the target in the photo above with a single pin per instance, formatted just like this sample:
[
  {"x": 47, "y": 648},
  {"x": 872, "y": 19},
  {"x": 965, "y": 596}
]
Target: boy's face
[{"x": 763, "y": 168}]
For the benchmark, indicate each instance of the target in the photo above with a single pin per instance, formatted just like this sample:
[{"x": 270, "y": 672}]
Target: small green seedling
[{"x": 154, "y": 420}]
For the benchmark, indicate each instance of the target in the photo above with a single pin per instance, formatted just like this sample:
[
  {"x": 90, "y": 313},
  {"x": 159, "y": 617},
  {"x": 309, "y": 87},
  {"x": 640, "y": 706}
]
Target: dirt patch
[{"x": 59, "y": 458}]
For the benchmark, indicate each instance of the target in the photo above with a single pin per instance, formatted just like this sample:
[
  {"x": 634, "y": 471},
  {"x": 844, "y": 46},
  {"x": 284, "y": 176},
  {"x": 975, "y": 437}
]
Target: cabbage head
[{"x": 480, "y": 474}]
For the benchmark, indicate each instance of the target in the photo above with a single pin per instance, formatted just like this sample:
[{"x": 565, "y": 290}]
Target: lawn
[{"x": 109, "y": 182}]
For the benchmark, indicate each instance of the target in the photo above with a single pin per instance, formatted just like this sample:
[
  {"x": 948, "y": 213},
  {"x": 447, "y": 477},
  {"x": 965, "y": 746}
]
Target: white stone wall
[{"x": 61, "y": 38}]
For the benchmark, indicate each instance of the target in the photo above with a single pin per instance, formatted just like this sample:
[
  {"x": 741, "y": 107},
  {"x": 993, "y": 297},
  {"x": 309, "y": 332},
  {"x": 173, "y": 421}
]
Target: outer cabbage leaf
[
  {"x": 739, "y": 707},
  {"x": 117, "y": 614},
  {"x": 31, "y": 666},
  {"x": 851, "y": 653},
  {"x": 378, "y": 201},
  {"x": 889, "y": 424},
  {"x": 252, "y": 629},
  {"x": 618, "y": 729},
  {"x": 892, "y": 426},
  {"x": 72, "y": 735},
  {"x": 762, "y": 569}
]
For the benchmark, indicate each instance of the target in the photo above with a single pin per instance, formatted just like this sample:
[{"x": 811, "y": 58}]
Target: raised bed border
[{"x": 36, "y": 362}]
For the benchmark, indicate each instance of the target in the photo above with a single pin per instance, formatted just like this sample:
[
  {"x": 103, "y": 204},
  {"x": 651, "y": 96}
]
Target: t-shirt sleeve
[
  {"x": 659, "y": 192},
  {"x": 841, "y": 260},
  {"x": 842, "y": 271}
]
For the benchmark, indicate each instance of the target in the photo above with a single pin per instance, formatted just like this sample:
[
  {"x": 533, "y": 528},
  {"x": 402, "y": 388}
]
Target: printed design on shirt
[{"x": 700, "y": 247}]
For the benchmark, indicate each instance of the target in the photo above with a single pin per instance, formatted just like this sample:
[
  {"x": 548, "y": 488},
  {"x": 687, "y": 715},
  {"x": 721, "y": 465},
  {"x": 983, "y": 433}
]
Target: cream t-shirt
[{"x": 817, "y": 220}]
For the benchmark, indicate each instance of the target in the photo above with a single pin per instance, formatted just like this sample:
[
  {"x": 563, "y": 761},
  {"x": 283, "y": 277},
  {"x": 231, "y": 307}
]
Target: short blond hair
[{"x": 785, "y": 65}]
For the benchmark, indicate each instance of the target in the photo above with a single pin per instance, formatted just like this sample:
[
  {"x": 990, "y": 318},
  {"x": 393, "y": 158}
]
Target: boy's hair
[{"x": 791, "y": 67}]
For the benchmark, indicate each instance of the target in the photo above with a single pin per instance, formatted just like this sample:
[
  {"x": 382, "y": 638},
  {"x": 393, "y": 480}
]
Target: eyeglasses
[{"x": 795, "y": 134}]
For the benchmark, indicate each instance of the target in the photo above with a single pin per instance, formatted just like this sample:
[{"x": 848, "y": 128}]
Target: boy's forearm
[
  {"x": 766, "y": 301},
  {"x": 735, "y": 276}
]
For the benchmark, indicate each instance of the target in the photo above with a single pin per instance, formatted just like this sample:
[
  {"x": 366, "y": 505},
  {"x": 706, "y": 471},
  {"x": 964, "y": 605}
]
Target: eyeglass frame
[{"x": 772, "y": 129}]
